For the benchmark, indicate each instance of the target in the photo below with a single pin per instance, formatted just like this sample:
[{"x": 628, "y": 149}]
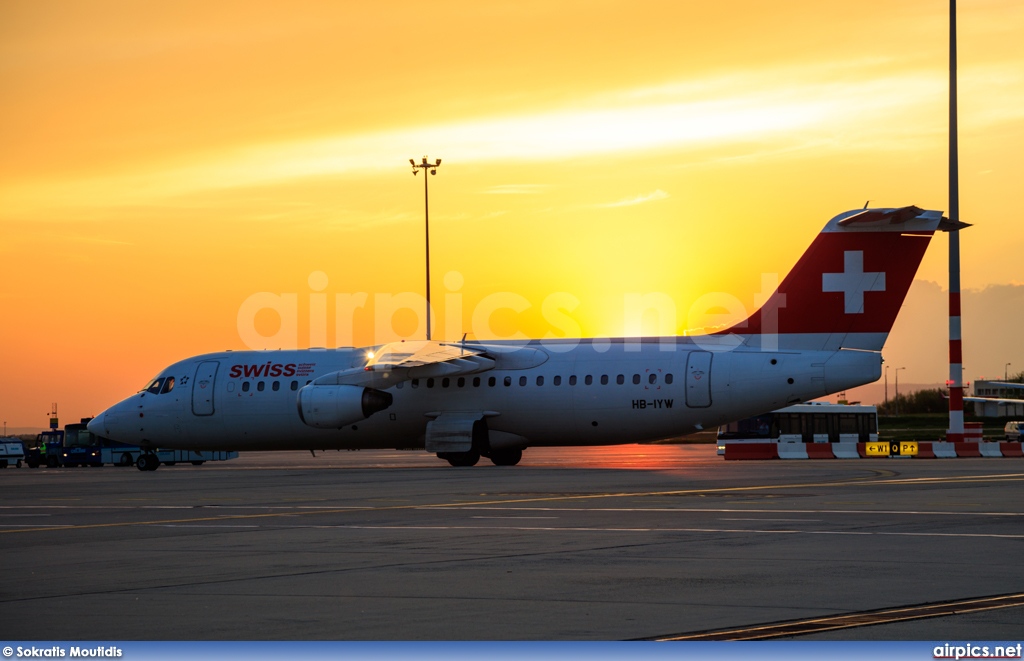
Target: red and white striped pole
[{"x": 955, "y": 433}]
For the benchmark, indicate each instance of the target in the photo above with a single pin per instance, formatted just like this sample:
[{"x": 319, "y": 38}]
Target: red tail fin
[{"x": 847, "y": 289}]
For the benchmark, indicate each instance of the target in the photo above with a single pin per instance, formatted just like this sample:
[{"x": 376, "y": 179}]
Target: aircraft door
[
  {"x": 698, "y": 379},
  {"x": 202, "y": 388}
]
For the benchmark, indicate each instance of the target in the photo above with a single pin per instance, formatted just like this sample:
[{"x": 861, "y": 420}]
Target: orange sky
[{"x": 161, "y": 163}]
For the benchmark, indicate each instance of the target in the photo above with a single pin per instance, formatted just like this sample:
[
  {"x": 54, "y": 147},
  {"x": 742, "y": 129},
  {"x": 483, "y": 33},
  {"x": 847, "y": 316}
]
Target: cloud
[
  {"x": 748, "y": 108},
  {"x": 653, "y": 196},
  {"x": 516, "y": 189}
]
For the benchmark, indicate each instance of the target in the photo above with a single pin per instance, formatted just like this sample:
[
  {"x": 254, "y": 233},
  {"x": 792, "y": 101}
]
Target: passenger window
[
  {"x": 588, "y": 380},
  {"x": 476, "y": 382},
  {"x": 653, "y": 378},
  {"x": 399, "y": 385},
  {"x": 636, "y": 378},
  {"x": 245, "y": 386},
  {"x": 415, "y": 383},
  {"x": 558, "y": 380},
  {"x": 168, "y": 385},
  {"x": 508, "y": 381},
  {"x": 231, "y": 386},
  {"x": 522, "y": 381},
  {"x": 491, "y": 381},
  {"x": 295, "y": 385},
  {"x": 604, "y": 379},
  {"x": 277, "y": 386},
  {"x": 540, "y": 380},
  {"x": 445, "y": 382},
  {"x": 620, "y": 379},
  {"x": 430, "y": 382},
  {"x": 668, "y": 378},
  {"x": 155, "y": 386},
  {"x": 259, "y": 386},
  {"x": 572, "y": 380},
  {"x": 461, "y": 382}
]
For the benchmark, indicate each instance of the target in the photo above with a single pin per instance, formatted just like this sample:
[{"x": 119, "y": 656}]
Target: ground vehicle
[
  {"x": 145, "y": 461},
  {"x": 817, "y": 422},
  {"x": 1014, "y": 430},
  {"x": 83, "y": 448},
  {"x": 75, "y": 446},
  {"x": 47, "y": 450},
  {"x": 12, "y": 451}
]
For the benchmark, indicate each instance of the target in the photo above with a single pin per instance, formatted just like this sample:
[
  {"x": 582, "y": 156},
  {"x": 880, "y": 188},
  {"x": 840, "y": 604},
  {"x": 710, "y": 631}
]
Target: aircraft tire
[
  {"x": 506, "y": 457},
  {"x": 459, "y": 459},
  {"x": 147, "y": 462}
]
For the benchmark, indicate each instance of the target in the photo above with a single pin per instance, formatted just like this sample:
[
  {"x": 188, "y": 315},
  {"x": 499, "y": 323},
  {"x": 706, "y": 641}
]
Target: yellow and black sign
[
  {"x": 891, "y": 449},
  {"x": 905, "y": 448},
  {"x": 877, "y": 449}
]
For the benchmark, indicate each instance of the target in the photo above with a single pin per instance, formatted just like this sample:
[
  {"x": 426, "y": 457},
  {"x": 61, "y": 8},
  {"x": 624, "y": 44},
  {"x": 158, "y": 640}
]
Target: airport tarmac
[{"x": 626, "y": 542}]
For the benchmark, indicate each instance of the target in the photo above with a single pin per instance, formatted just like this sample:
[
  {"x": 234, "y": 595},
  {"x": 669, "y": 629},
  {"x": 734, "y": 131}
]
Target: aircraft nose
[{"x": 97, "y": 425}]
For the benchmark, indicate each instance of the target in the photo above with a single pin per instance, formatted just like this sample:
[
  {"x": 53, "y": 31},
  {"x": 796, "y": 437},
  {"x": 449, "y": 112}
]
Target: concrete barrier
[
  {"x": 925, "y": 450},
  {"x": 751, "y": 451},
  {"x": 794, "y": 450}
]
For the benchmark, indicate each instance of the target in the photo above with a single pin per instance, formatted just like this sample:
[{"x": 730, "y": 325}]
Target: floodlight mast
[
  {"x": 432, "y": 168},
  {"x": 955, "y": 433}
]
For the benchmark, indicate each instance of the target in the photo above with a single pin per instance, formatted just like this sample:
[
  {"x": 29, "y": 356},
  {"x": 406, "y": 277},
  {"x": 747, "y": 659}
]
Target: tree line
[{"x": 931, "y": 400}]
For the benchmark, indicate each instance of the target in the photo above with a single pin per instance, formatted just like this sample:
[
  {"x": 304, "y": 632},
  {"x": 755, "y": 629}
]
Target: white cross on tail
[{"x": 853, "y": 281}]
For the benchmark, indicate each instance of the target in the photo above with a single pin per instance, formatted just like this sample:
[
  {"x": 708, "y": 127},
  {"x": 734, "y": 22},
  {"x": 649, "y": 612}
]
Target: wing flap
[{"x": 401, "y": 361}]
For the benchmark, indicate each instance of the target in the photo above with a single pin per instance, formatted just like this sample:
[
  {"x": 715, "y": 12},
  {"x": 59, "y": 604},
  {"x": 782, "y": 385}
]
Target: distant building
[{"x": 999, "y": 390}]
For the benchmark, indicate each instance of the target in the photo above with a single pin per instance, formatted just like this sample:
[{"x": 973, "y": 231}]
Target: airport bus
[
  {"x": 814, "y": 422},
  {"x": 83, "y": 448}
]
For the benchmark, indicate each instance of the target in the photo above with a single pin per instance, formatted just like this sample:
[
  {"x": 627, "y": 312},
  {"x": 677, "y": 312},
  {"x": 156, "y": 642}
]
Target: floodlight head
[
  {"x": 412, "y": 162},
  {"x": 438, "y": 162},
  {"x": 433, "y": 172},
  {"x": 415, "y": 172}
]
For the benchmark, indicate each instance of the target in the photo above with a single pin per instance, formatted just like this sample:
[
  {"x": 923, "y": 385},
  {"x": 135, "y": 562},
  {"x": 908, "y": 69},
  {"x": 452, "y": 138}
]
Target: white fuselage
[{"x": 565, "y": 392}]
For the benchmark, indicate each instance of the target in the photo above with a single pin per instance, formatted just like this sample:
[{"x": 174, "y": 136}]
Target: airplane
[{"x": 820, "y": 332}]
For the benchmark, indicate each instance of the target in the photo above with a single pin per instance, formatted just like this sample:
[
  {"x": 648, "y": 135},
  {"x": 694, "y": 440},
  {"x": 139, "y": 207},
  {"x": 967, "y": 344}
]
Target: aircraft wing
[
  {"x": 994, "y": 400},
  {"x": 401, "y": 361}
]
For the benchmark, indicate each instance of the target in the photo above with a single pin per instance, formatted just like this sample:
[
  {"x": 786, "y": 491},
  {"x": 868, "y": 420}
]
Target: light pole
[
  {"x": 897, "y": 370},
  {"x": 1006, "y": 372},
  {"x": 432, "y": 168},
  {"x": 886, "y": 384}
]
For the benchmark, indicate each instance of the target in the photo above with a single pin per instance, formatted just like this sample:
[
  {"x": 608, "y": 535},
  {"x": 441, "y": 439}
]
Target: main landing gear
[
  {"x": 147, "y": 461},
  {"x": 472, "y": 457}
]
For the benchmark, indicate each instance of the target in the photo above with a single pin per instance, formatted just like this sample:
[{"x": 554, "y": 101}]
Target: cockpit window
[
  {"x": 168, "y": 385},
  {"x": 155, "y": 386}
]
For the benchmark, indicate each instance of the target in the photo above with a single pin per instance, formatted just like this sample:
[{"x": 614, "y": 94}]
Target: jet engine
[{"x": 334, "y": 407}]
